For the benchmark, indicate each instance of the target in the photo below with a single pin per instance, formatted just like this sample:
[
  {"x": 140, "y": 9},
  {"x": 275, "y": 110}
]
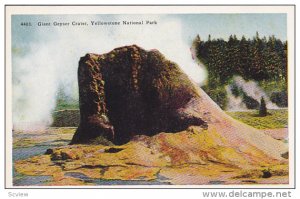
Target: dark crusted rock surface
[{"x": 130, "y": 91}]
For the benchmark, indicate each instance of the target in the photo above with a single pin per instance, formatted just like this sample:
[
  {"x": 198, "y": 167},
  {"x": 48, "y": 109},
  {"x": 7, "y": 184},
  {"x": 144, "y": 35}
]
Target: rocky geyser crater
[{"x": 130, "y": 91}]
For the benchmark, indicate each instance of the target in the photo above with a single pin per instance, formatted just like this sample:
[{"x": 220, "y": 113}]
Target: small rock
[
  {"x": 68, "y": 155},
  {"x": 285, "y": 155},
  {"x": 249, "y": 181},
  {"x": 49, "y": 152},
  {"x": 55, "y": 156},
  {"x": 112, "y": 150},
  {"x": 266, "y": 174}
]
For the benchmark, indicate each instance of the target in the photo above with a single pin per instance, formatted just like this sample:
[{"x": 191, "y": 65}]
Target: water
[
  {"x": 24, "y": 153},
  {"x": 27, "y": 152},
  {"x": 216, "y": 182},
  {"x": 40, "y": 148},
  {"x": 21, "y": 153},
  {"x": 31, "y": 180}
]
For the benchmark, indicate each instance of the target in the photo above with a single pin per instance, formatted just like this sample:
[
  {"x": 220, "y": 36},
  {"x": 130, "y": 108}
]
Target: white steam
[
  {"x": 234, "y": 103},
  {"x": 252, "y": 89},
  {"x": 50, "y": 61}
]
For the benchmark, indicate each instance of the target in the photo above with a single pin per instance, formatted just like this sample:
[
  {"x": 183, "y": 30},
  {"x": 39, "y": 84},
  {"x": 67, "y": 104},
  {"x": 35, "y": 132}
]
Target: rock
[
  {"x": 113, "y": 150},
  {"x": 49, "y": 152},
  {"x": 68, "y": 154},
  {"x": 266, "y": 174},
  {"x": 285, "y": 155},
  {"x": 130, "y": 91}
]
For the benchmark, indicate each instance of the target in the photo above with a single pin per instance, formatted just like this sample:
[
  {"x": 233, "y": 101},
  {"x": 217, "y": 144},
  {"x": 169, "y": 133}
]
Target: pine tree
[
  {"x": 244, "y": 58},
  {"x": 263, "y": 108},
  {"x": 233, "y": 55}
]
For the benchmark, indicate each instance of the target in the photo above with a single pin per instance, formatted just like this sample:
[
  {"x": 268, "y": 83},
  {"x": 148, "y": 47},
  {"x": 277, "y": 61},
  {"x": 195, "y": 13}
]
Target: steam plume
[
  {"x": 49, "y": 60},
  {"x": 252, "y": 89}
]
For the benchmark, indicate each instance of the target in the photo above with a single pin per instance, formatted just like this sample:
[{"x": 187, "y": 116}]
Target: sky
[
  {"x": 45, "y": 59},
  {"x": 223, "y": 25},
  {"x": 217, "y": 25}
]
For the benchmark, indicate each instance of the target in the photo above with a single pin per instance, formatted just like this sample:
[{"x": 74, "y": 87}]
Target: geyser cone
[{"x": 130, "y": 91}]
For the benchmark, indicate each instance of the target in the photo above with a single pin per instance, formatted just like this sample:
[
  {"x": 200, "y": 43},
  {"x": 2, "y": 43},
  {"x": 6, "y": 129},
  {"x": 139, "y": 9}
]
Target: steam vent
[{"x": 130, "y": 91}]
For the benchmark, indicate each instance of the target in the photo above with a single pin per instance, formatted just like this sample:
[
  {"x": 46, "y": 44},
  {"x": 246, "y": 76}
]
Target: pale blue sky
[
  {"x": 223, "y": 25},
  {"x": 218, "y": 25}
]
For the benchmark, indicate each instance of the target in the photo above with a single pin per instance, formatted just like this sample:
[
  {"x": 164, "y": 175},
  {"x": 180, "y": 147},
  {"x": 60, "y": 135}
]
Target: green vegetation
[
  {"x": 260, "y": 59},
  {"x": 276, "y": 90},
  {"x": 257, "y": 59},
  {"x": 272, "y": 86},
  {"x": 63, "y": 105},
  {"x": 66, "y": 118},
  {"x": 66, "y": 112},
  {"x": 64, "y": 102},
  {"x": 275, "y": 119},
  {"x": 217, "y": 93}
]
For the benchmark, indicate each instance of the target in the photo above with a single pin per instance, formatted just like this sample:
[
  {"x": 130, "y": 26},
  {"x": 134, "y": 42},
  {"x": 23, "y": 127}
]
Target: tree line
[
  {"x": 256, "y": 58},
  {"x": 259, "y": 59}
]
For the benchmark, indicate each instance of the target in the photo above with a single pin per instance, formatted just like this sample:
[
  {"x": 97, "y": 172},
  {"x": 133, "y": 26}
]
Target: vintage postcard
[{"x": 150, "y": 96}]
